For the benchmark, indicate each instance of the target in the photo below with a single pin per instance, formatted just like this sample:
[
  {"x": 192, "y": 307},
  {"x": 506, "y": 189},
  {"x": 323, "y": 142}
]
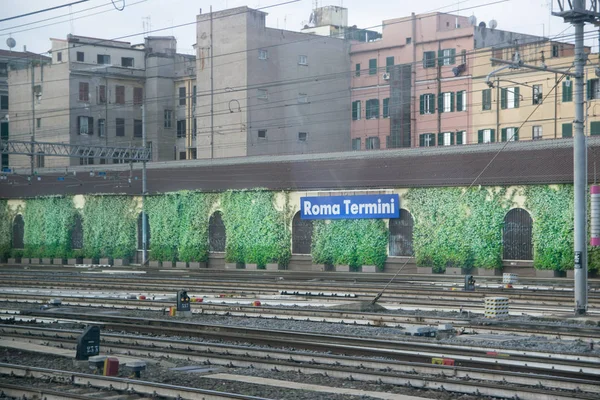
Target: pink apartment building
[{"x": 413, "y": 86}]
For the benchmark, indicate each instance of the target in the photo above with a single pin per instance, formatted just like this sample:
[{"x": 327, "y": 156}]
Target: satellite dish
[
  {"x": 10, "y": 42},
  {"x": 493, "y": 24},
  {"x": 482, "y": 25},
  {"x": 473, "y": 20}
]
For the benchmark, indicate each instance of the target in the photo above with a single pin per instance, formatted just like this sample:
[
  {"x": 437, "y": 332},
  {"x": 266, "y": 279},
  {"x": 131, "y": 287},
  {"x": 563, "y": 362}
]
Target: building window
[
  {"x": 127, "y": 62},
  {"x": 537, "y": 132},
  {"x": 408, "y": 40},
  {"x": 302, "y": 136},
  {"x": 263, "y": 54},
  {"x": 446, "y": 139},
  {"x": 181, "y": 128},
  {"x": 509, "y": 98},
  {"x": 537, "y": 94},
  {"x": 427, "y": 104},
  {"x": 41, "y": 160},
  {"x": 461, "y": 100},
  {"x": 427, "y": 140},
  {"x": 372, "y": 66},
  {"x": 182, "y": 96},
  {"x": 182, "y": 155},
  {"x": 356, "y": 110},
  {"x": 567, "y": 130},
  {"x": 138, "y": 96},
  {"x": 168, "y": 123},
  {"x": 447, "y": 56},
  {"x": 3, "y": 102},
  {"x": 262, "y": 133},
  {"x": 194, "y": 127},
  {"x": 486, "y": 136},
  {"x": 356, "y": 143},
  {"x": 567, "y": 90},
  {"x": 262, "y": 94},
  {"x": 463, "y": 56},
  {"x": 193, "y": 154},
  {"x": 59, "y": 56},
  {"x": 593, "y": 89},
  {"x": 357, "y": 70},
  {"x": 486, "y": 99},
  {"x": 101, "y": 127},
  {"x": 101, "y": 94},
  {"x": 88, "y": 159},
  {"x": 554, "y": 50},
  {"x": 38, "y": 123},
  {"x": 429, "y": 59},
  {"x": 446, "y": 102},
  {"x": 386, "y": 107},
  {"x": 103, "y": 59},
  {"x": 80, "y": 56},
  {"x": 595, "y": 128},
  {"x": 85, "y": 125},
  {"x": 509, "y": 134},
  {"x": 372, "y": 109},
  {"x": 84, "y": 91},
  {"x": 120, "y": 124},
  {"x": 372, "y": 143},
  {"x": 303, "y": 60},
  {"x": 461, "y": 137},
  {"x": 137, "y": 128},
  {"x": 302, "y": 98},
  {"x": 194, "y": 91},
  {"x": 389, "y": 63},
  {"x": 120, "y": 95}
]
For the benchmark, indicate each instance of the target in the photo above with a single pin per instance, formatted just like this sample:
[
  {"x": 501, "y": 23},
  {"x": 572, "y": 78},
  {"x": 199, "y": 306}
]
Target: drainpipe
[
  {"x": 497, "y": 133},
  {"x": 555, "y": 105},
  {"x": 415, "y": 139}
]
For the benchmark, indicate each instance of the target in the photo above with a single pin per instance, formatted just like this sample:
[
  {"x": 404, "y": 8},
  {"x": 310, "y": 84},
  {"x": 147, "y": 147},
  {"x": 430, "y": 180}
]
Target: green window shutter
[
  {"x": 452, "y": 56},
  {"x": 373, "y": 66},
  {"x": 503, "y": 101},
  {"x": 422, "y": 104},
  {"x": 4, "y": 131},
  {"x": 595, "y": 128},
  {"x": 440, "y": 139},
  {"x": 440, "y": 57},
  {"x": 565, "y": 92},
  {"x": 386, "y": 107},
  {"x": 389, "y": 62},
  {"x": 459, "y": 137},
  {"x": 459, "y": 101},
  {"x": 431, "y": 98},
  {"x": 357, "y": 69},
  {"x": 451, "y": 137},
  {"x": 588, "y": 89},
  {"x": 421, "y": 140},
  {"x": 480, "y": 136},
  {"x": 571, "y": 92},
  {"x": 492, "y": 135},
  {"x": 451, "y": 101},
  {"x": 567, "y": 130},
  {"x": 441, "y": 102},
  {"x": 354, "y": 111},
  {"x": 503, "y": 134},
  {"x": 516, "y": 134},
  {"x": 376, "y": 112},
  {"x": 517, "y": 97},
  {"x": 483, "y": 99}
]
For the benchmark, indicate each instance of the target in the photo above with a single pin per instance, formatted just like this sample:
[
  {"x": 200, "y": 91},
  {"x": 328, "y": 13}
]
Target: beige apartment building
[{"x": 525, "y": 104}]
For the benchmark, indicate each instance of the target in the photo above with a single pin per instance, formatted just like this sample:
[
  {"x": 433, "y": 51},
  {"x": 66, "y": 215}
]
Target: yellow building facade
[{"x": 525, "y": 104}]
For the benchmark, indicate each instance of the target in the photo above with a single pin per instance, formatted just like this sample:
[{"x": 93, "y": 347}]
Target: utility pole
[
  {"x": 144, "y": 189},
  {"x": 33, "y": 124}
]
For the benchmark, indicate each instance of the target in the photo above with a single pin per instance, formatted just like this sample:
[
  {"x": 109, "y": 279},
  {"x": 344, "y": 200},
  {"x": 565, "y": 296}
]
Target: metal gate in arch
[{"x": 517, "y": 235}]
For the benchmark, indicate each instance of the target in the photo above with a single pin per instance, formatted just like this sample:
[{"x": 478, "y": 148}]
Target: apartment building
[
  {"x": 271, "y": 91},
  {"x": 92, "y": 93},
  {"x": 412, "y": 87},
  {"x": 524, "y": 104},
  {"x": 11, "y": 60}
]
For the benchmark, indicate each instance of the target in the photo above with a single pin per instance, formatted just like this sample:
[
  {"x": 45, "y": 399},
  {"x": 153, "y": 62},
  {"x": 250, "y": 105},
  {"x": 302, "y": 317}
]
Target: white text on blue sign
[{"x": 350, "y": 207}]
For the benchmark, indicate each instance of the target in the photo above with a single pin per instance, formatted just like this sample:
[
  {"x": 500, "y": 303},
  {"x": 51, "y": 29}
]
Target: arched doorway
[
  {"x": 18, "y": 232},
  {"x": 140, "y": 237},
  {"x": 401, "y": 235},
  {"x": 302, "y": 231},
  {"x": 216, "y": 233},
  {"x": 77, "y": 233},
  {"x": 517, "y": 235}
]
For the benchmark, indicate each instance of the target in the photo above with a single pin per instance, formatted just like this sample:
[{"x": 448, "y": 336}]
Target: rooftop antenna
[
  {"x": 71, "y": 19},
  {"x": 146, "y": 24}
]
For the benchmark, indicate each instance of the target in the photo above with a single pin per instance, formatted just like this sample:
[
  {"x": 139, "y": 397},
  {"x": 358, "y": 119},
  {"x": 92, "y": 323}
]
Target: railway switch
[
  {"x": 183, "y": 301},
  {"x": 88, "y": 344},
  {"x": 469, "y": 283}
]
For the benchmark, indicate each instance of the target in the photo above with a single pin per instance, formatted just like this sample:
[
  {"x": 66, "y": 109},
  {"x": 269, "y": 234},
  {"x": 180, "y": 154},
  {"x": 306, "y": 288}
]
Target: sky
[{"x": 138, "y": 16}]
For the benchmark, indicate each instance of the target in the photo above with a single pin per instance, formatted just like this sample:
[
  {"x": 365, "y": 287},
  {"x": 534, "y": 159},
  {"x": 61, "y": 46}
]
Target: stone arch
[
  {"x": 217, "y": 236},
  {"x": 401, "y": 235},
  {"x": 517, "y": 235},
  {"x": 302, "y": 231}
]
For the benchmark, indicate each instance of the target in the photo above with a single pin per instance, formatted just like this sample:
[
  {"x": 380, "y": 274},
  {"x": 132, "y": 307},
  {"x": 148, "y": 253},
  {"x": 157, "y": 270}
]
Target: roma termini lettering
[{"x": 350, "y": 207}]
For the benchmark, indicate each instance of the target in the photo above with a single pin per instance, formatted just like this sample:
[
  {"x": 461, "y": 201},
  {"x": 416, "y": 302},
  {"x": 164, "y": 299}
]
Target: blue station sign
[{"x": 350, "y": 207}]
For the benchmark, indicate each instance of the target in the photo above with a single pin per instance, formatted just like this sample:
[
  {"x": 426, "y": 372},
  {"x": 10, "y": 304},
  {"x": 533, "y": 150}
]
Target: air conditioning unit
[{"x": 386, "y": 76}]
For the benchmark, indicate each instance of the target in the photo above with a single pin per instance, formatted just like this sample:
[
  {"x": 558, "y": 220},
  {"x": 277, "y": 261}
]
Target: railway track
[{"x": 521, "y": 376}]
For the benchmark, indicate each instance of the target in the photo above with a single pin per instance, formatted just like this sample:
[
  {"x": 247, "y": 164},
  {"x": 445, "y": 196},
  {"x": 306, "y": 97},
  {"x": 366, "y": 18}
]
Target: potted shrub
[
  {"x": 272, "y": 266},
  {"x": 15, "y": 256},
  {"x": 425, "y": 265},
  {"x": 76, "y": 257}
]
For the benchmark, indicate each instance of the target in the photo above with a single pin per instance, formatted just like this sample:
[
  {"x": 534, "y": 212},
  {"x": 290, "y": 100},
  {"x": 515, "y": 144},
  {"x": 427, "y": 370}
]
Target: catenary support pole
[
  {"x": 33, "y": 121},
  {"x": 144, "y": 189}
]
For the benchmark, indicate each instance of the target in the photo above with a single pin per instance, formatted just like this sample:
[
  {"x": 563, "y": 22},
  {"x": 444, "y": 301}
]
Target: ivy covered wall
[
  {"x": 6, "y": 218},
  {"x": 47, "y": 229},
  {"x": 257, "y": 232},
  {"x": 109, "y": 226}
]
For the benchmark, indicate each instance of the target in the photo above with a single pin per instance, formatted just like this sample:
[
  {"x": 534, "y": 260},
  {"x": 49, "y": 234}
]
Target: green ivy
[
  {"x": 353, "y": 242},
  {"x": 256, "y": 231},
  {"x": 552, "y": 212},
  {"x": 47, "y": 229},
  {"x": 6, "y": 218},
  {"x": 109, "y": 227},
  {"x": 179, "y": 225}
]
